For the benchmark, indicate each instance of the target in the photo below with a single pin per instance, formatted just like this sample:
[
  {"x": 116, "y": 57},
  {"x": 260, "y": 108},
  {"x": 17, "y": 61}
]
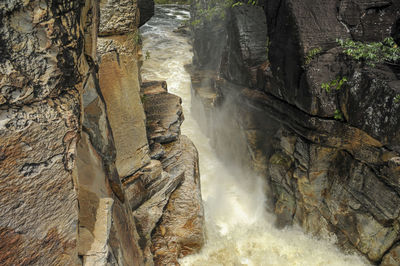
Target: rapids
[{"x": 239, "y": 229}]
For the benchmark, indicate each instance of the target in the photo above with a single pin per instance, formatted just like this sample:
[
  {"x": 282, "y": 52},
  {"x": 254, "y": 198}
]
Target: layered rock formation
[
  {"x": 331, "y": 158},
  {"x": 77, "y": 176}
]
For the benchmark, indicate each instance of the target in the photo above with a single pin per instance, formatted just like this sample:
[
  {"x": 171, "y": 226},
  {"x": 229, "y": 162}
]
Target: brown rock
[
  {"x": 39, "y": 128},
  {"x": 180, "y": 231},
  {"x": 164, "y": 115},
  {"x": 120, "y": 88},
  {"x": 118, "y": 17},
  {"x": 392, "y": 258}
]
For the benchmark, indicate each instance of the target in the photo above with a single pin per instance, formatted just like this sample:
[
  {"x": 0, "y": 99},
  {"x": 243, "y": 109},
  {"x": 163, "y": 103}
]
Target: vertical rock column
[
  {"x": 118, "y": 46},
  {"x": 107, "y": 232}
]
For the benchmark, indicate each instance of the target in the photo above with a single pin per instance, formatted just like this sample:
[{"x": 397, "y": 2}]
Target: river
[{"x": 239, "y": 229}]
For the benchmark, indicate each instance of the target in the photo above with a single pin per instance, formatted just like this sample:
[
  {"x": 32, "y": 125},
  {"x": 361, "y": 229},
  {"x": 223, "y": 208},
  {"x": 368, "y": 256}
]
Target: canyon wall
[
  {"x": 93, "y": 169},
  {"x": 331, "y": 158}
]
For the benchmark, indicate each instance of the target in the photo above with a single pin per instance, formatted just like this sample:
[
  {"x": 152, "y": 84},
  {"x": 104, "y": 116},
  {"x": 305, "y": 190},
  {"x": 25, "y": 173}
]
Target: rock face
[
  {"x": 73, "y": 140},
  {"x": 146, "y": 8},
  {"x": 40, "y": 114},
  {"x": 327, "y": 173},
  {"x": 171, "y": 220},
  {"x": 180, "y": 231},
  {"x": 118, "y": 72}
]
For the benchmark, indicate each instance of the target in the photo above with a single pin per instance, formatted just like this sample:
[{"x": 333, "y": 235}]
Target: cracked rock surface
[
  {"x": 327, "y": 174},
  {"x": 77, "y": 177}
]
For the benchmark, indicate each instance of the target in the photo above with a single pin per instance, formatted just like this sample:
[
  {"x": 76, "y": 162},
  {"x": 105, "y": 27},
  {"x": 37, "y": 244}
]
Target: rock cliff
[
  {"x": 331, "y": 158},
  {"x": 82, "y": 179}
]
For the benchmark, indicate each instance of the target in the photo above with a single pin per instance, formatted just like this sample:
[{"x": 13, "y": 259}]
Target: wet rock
[
  {"x": 328, "y": 173},
  {"x": 368, "y": 20},
  {"x": 146, "y": 8},
  {"x": 375, "y": 115},
  {"x": 154, "y": 87},
  {"x": 392, "y": 258},
  {"x": 180, "y": 230},
  {"x": 183, "y": 30},
  {"x": 247, "y": 41},
  {"x": 164, "y": 115}
]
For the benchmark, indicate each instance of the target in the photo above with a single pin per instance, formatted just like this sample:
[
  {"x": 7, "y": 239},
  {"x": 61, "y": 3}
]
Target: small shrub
[
  {"x": 335, "y": 84},
  {"x": 147, "y": 56},
  {"x": 137, "y": 38},
  {"x": 312, "y": 53},
  {"x": 249, "y": 2},
  {"x": 372, "y": 53},
  {"x": 397, "y": 98},
  {"x": 143, "y": 98},
  {"x": 338, "y": 115}
]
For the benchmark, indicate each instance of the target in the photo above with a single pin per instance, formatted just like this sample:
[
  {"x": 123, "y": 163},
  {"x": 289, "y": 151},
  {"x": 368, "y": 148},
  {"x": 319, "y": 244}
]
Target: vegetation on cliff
[
  {"x": 386, "y": 51},
  {"x": 163, "y": 2}
]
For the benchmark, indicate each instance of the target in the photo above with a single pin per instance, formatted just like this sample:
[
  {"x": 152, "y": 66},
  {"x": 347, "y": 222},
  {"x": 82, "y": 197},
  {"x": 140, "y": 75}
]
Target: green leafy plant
[
  {"x": 137, "y": 38},
  {"x": 338, "y": 115},
  {"x": 335, "y": 84},
  {"x": 147, "y": 56},
  {"x": 312, "y": 54},
  {"x": 397, "y": 98},
  {"x": 143, "y": 98},
  {"x": 386, "y": 51},
  {"x": 249, "y": 2},
  {"x": 162, "y": 2}
]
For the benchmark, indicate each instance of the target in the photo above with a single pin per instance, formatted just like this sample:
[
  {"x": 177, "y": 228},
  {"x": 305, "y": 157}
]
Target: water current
[{"x": 239, "y": 229}]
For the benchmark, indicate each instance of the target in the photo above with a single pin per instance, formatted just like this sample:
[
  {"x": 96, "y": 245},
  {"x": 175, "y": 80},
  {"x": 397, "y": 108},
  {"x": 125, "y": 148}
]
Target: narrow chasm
[
  {"x": 241, "y": 228},
  {"x": 201, "y": 132}
]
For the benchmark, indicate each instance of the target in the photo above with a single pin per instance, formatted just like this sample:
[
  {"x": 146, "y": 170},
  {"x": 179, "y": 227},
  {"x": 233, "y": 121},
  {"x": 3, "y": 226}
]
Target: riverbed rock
[
  {"x": 180, "y": 230},
  {"x": 329, "y": 157},
  {"x": 164, "y": 114},
  {"x": 392, "y": 258}
]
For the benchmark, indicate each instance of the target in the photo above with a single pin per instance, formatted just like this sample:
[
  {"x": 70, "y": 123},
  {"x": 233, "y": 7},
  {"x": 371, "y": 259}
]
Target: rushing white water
[{"x": 239, "y": 230}]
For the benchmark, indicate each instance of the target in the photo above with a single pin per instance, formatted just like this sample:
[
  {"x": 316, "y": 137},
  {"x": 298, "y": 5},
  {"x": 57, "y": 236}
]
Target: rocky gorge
[{"x": 96, "y": 167}]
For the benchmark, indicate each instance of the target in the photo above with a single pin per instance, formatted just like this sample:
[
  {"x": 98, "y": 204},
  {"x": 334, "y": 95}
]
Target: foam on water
[{"x": 239, "y": 229}]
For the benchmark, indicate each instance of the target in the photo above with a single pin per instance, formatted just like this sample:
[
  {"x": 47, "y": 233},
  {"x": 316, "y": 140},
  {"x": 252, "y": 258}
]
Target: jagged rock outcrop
[
  {"x": 73, "y": 132},
  {"x": 180, "y": 231},
  {"x": 329, "y": 174},
  {"x": 171, "y": 219}
]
